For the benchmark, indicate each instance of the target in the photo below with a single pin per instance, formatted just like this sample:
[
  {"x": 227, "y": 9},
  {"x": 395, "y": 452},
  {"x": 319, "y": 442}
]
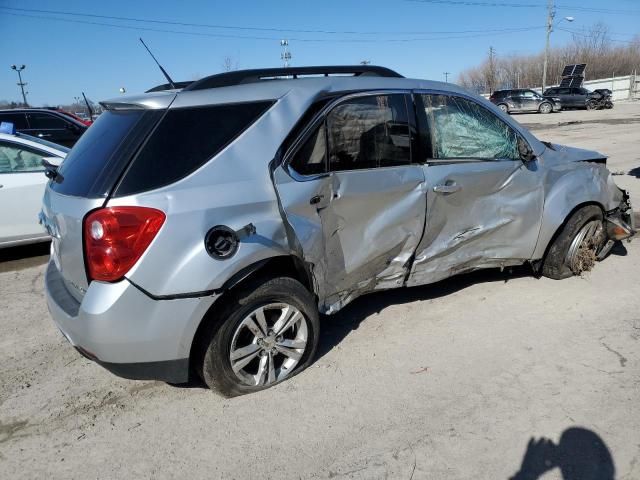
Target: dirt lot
[{"x": 448, "y": 381}]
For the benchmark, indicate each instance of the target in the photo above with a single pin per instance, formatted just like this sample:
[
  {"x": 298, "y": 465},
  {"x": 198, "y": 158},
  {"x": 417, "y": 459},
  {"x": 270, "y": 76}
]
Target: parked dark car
[
  {"x": 574, "y": 97},
  {"x": 46, "y": 124},
  {"x": 524, "y": 100}
]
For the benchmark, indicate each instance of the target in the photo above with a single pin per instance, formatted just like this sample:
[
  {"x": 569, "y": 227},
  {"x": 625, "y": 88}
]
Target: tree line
[{"x": 604, "y": 58}]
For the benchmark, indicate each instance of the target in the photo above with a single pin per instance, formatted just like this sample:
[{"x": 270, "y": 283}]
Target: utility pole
[
  {"x": 491, "y": 74},
  {"x": 285, "y": 56},
  {"x": 446, "y": 76},
  {"x": 551, "y": 13},
  {"x": 21, "y": 84}
]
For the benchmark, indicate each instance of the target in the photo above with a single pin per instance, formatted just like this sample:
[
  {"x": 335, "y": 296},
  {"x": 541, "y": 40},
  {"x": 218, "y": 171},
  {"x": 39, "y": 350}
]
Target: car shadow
[
  {"x": 24, "y": 256},
  {"x": 635, "y": 172},
  {"x": 334, "y": 328},
  {"x": 619, "y": 250},
  {"x": 580, "y": 455}
]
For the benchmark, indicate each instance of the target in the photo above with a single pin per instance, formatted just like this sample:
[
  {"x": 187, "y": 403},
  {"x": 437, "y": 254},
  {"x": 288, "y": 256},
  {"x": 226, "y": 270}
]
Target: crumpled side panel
[
  {"x": 493, "y": 220},
  {"x": 371, "y": 227}
]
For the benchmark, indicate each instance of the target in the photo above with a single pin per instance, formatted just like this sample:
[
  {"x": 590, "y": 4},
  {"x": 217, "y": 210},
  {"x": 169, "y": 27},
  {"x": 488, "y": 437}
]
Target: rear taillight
[{"x": 116, "y": 237}]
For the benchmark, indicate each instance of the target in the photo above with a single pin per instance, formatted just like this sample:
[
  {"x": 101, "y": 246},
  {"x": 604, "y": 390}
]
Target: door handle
[
  {"x": 447, "y": 188},
  {"x": 42, "y": 135}
]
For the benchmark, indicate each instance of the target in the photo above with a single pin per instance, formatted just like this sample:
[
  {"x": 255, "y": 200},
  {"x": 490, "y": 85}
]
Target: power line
[
  {"x": 248, "y": 37},
  {"x": 581, "y": 34},
  {"x": 263, "y": 29},
  {"x": 476, "y": 3}
]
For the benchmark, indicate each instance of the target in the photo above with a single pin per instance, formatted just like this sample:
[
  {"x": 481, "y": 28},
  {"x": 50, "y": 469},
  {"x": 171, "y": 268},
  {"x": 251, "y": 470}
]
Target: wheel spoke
[
  {"x": 244, "y": 351},
  {"x": 262, "y": 370},
  {"x": 292, "y": 343},
  {"x": 289, "y": 352},
  {"x": 272, "y": 371},
  {"x": 288, "y": 318},
  {"x": 240, "y": 364},
  {"x": 262, "y": 321},
  {"x": 253, "y": 326}
]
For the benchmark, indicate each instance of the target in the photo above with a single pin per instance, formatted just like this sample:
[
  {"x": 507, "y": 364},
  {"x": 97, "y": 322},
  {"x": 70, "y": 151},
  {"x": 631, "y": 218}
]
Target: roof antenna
[
  {"x": 164, "y": 72},
  {"x": 88, "y": 106}
]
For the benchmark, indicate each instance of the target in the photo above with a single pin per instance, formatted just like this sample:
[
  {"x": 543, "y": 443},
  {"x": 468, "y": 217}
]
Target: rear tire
[
  {"x": 232, "y": 337},
  {"x": 569, "y": 254}
]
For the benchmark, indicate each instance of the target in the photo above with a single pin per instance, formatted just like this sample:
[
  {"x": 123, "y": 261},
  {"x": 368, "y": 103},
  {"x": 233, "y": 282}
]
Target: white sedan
[{"x": 22, "y": 182}]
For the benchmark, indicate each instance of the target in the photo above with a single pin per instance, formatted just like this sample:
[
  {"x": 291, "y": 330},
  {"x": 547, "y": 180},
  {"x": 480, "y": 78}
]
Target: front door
[
  {"x": 22, "y": 183},
  {"x": 529, "y": 100},
  {"x": 484, "y": 205},
  {"x": 353, "y": 198}
]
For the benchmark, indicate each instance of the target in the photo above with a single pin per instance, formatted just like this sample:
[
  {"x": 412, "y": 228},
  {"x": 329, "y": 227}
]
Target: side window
[
  {"x": 16, "y": 158},
  {"x": 463, "y": 129},
  {"x": 311, "y": 158},
  {"x": 42, "y": 121},
  {"x": 19, "y": 120},
  {"x": 564, "y": 91},
  {"x": 528, "y": 94},
  {"x": 369, "y": 132}
]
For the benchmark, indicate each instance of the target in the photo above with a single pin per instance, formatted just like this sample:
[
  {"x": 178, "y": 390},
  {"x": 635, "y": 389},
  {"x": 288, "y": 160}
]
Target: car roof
[
  {"x": 28, "y": 140},
  {"x": 248, "y": 85}
]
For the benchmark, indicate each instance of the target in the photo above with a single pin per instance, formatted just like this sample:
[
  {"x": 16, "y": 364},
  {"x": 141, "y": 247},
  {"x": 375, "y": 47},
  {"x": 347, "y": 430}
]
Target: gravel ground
[{"x": 448, "y": 381}]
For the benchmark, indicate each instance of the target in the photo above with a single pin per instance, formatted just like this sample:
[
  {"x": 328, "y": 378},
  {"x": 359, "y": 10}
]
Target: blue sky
[{"x": 64, "y": 58}]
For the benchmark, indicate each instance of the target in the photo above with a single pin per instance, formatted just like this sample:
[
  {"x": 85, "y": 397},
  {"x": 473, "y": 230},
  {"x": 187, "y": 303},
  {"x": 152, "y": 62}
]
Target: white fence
[{"x": 623, "y": 88}]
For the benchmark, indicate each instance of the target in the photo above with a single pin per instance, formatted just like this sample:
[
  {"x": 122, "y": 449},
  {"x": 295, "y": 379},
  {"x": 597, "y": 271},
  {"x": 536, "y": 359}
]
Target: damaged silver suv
[{"x": 202, "y": 230}]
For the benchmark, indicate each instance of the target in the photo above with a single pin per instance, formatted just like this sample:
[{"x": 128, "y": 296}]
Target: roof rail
[
  {"x": 251, "y": 76},
  {"x": 167, "y": 86}
]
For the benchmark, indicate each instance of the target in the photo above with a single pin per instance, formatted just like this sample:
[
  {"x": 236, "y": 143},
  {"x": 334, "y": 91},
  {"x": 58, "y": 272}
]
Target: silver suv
[{"x": 202, "y": 230}]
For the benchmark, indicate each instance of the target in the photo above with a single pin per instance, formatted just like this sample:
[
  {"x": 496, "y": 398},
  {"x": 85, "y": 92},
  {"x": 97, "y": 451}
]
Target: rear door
[
  {"x": 22, "y": 183},
  {"x": 484, "y": 205},
  {"x": 359, "y": 212}
]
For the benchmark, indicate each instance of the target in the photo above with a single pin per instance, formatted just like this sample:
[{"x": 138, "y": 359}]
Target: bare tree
[{"x": 593, "y": 46}]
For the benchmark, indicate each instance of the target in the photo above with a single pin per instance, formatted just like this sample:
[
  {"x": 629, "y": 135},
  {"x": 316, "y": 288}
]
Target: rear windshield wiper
[{"x": 51, "y": 171}]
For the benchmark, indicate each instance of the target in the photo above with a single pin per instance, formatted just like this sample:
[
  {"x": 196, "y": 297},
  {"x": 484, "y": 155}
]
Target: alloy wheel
[{"x": 268, "y": 344}]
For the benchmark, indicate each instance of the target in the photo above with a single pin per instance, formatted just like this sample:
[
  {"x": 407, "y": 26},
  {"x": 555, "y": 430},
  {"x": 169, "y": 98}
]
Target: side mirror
[{"x": 526, "y": 154}]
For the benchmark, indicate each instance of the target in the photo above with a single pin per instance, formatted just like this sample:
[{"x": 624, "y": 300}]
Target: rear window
[
  {"x": 97, "y": 160},
  {"x": 186, "y": 139}
]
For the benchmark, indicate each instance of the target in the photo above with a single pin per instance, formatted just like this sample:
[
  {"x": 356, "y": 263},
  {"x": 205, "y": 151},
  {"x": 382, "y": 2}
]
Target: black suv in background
[
  {"x": 524, "y": 100},
  {"x": 46, "y": 124}
]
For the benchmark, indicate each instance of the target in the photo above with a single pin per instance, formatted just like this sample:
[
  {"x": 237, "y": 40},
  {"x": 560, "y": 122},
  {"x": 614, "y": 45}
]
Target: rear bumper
[{"x": 126, "y": 331}]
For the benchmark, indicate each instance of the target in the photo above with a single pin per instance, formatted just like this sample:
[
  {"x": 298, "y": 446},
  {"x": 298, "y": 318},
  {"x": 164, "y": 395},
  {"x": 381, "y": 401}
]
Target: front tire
[
  {"x": 575, "y": 248},
  {"x": 266, "y": 333},
  {"x": 504, "y": 107},
  {"x": 546, "y": 108}
]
